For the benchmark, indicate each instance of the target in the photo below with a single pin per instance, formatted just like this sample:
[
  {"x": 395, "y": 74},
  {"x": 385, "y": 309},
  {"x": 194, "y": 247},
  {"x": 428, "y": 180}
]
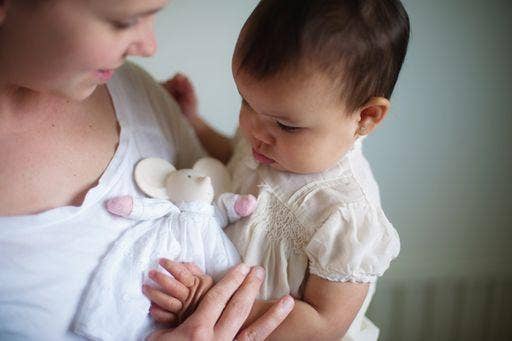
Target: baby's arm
[
  {"x": 139, "y": 209},
  {"x": 216, "y": 144},
  {"x": 231, "y": 207},
  {"x": 325, "y": 312}
]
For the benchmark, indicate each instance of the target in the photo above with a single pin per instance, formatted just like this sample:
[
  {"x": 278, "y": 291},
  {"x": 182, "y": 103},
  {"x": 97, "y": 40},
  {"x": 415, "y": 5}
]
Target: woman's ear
[{"x": 371, "y": 114}]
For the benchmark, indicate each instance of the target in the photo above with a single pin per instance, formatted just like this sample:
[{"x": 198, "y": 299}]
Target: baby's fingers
[
  {"x": 164, "y": 301},
  {"x": 183, "y": 272},
  {"x": 169, "y": 285},
  {"x": 194, "y": 269},
  {"x": 179, "y": 85},
  {"x": 162, "y": 316}
]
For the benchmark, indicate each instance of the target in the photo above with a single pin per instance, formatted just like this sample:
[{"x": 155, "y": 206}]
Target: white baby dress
[{"x": 330, "y": 224}]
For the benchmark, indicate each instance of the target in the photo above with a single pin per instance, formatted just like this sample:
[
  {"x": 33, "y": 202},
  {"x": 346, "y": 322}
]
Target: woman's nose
[{"x": 145, "y": 44}]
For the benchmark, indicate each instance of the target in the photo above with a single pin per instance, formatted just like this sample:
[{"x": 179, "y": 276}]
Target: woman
[{"x": 74, "y": 119}]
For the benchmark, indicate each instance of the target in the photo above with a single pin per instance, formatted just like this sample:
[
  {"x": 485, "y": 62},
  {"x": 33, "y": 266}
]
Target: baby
[{"x": 315, "y": 78}]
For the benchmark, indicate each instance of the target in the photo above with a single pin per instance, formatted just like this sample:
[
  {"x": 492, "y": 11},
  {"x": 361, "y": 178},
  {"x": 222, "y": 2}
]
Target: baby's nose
[
  {"x": 262, "y": 136},
  {"x": 260, "y": 131}
]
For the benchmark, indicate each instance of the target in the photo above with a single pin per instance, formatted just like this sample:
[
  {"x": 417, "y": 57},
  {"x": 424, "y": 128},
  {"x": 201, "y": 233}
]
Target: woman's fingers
[
  {"x": 213, "y": 303},
  {"x": 161, "y": 299},
  {"x": 268, "y": 322},
  {"x": 240, "y": 305},
  {"x": 169, "y": 285},
  {"x": 180, "y": 271},
  {"x": 161, "y": 315},
  {"x": 225, "y": 308}
]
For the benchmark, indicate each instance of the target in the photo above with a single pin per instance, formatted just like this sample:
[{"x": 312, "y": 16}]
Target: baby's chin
[
  {"x": 290, "y": 169},
  {"x": 303, "y": 168},
  {"x": 278, "y": 167}
]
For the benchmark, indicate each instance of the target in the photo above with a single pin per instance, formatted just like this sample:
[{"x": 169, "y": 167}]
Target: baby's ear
[
  {"x": 372, "y": 114},
  {"x": 150, "y": 175}
]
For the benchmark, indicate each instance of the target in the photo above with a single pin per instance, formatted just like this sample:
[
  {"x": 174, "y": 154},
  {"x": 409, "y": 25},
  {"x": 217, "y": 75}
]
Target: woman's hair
[{"x": 359, "y": 44}]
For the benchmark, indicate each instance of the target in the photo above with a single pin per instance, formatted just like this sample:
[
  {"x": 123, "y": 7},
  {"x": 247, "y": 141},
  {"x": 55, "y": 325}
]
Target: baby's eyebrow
[
  {"x": 283, "y": 118},
  {"x": 143, "y": 13}
]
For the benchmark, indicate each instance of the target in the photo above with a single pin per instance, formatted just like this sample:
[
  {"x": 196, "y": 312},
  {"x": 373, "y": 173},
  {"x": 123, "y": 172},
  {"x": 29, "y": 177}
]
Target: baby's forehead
[
  {"x": 293, "y": 98},
  {"x": 292, "y": 80}
]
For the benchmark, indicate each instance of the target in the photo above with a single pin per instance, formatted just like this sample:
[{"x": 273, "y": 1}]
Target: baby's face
[{"x": 295, "y": 123}]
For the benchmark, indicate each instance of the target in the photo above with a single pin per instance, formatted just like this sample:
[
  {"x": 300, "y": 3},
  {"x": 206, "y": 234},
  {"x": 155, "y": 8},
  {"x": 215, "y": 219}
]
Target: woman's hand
[{"x": 224, "y": 308}]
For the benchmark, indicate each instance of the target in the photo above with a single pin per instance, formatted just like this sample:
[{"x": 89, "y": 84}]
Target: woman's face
[{"x": 69, "y": 47}]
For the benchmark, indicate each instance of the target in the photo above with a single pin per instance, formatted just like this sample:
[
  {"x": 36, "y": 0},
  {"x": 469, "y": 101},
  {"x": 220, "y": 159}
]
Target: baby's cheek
[
  {"x": 318, "y": 155},
  {"x": 243, "y": 123},
  {"x": 302, "y": 156}
]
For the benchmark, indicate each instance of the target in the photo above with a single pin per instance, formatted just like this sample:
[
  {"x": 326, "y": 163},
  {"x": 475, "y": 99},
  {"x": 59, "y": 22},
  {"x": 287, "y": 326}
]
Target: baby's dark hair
[{"x": 360, "y": 44}]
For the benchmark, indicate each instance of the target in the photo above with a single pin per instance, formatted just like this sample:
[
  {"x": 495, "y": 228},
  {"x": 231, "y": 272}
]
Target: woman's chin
[{"x": 76, "y": 93}]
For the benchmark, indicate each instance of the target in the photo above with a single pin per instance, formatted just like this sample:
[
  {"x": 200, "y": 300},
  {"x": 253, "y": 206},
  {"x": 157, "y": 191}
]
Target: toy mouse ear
[
  {"x": 218, "y": 173},
  {"x": 150, "y": 175}
]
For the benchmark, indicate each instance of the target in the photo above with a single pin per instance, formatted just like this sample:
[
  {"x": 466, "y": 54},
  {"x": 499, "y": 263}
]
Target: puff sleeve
[{"x": 355, "y": 243}]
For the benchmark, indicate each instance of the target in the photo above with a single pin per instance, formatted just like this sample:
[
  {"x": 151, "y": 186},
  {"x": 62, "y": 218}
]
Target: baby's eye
[
  {"x": 125, "y": 24},
  {"x": 286, "y": 128}
]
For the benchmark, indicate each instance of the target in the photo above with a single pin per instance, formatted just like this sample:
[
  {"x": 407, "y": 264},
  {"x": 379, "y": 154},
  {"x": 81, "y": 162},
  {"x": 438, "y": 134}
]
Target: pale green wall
[{"x": 442, "y": 157}]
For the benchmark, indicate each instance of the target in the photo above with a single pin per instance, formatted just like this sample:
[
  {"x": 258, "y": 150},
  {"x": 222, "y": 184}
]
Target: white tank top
[{"x": 46, "y": 259}]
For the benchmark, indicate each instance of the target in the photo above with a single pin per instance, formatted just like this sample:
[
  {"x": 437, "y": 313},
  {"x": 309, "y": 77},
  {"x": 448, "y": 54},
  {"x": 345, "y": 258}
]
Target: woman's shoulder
[
  {"x": 135, "y": 82},
  {"x": 132, "y": 70},
  {"x": 145, "y": 104}
]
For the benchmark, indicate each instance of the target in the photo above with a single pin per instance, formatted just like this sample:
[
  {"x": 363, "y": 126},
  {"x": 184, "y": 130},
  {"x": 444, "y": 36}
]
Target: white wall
[
  {"x": 442, "y": 157},
  {"x": 197, "y": 37}
]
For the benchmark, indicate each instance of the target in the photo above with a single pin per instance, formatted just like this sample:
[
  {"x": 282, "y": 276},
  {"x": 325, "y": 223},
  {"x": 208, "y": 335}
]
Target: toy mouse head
[{"x": 159, "y": 179}]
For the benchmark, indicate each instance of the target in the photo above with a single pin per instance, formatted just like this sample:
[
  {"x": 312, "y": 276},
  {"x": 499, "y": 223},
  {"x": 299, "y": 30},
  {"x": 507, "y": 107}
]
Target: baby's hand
[
  {"x": 121, "y": 206},
  {"x": 245, "y": 205},
  {"x": 180, "y": 295},
  {"x": 183, "y": 92}
]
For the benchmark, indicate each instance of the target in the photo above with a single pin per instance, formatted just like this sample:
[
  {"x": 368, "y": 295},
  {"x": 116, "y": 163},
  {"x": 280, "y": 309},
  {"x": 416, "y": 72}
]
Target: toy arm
[
  {"x": 231, "y": 207},
  {"x": 140, "y": 209}
]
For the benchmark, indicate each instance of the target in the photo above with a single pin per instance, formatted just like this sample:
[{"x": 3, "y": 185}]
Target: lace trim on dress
[
  {"x": 279, "y": 223},
  {"x": 335, "y": 276}
]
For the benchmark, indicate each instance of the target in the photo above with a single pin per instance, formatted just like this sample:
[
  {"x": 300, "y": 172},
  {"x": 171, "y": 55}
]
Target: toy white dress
[{"x": 114, "y": 307}]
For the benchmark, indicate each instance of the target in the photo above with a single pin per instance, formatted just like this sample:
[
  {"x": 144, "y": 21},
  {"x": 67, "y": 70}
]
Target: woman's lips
[
  {"x": 261, "y": 158},
  {"x": 105, "y": 74}
]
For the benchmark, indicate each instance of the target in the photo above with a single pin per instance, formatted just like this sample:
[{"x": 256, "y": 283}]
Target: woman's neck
[
  {"x": 12, "y": 97},
  {"x": 22, "y": 109},
  {"x": 53, "y": 150}
]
